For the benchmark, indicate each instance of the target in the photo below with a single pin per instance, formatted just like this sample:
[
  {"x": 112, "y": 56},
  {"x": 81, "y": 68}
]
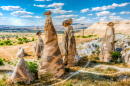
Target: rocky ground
[{"x": 89, "y": 70}]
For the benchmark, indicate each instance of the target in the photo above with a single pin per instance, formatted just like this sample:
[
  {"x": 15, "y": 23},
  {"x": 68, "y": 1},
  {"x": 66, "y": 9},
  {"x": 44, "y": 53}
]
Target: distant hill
[
  {"x": 7, "y": 28},
  {"x": 100, "y": 27}
]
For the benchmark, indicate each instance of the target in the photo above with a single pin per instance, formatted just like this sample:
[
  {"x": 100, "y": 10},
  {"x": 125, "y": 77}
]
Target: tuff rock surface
[
  {"x": 51, "y": 61},
  {"x": 22, "y": 73},
  {"x": 108, "y": 43},
  {"x": 20, "y": 52},
  {"x": 68, "y": 45},
  {"x": 38, "y": 46}
]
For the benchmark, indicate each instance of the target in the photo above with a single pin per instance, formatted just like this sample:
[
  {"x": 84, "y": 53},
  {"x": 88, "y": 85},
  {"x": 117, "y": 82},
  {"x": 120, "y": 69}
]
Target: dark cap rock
[
  {"x": 47, "y": 13},
  {"x": 67, "y": 22}
]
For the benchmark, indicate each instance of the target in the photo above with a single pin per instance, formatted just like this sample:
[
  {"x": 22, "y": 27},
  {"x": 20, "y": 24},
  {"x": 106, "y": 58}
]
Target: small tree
[{"x": 115, "y": 55}]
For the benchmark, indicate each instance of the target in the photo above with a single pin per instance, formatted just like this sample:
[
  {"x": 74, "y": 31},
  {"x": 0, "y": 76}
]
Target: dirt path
[
  {"x": 72, "y": 74},
  {"x": 85, "y": 71}
]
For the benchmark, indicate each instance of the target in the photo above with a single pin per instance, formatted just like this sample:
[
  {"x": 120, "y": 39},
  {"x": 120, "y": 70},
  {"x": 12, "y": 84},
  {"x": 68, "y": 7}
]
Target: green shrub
[
  {"x": 33, "y": 39},
  {"x": 1, "y": 43},
  {"x": 33, "y": 68},
  {"x": 96, "y": 58},
  {"x": 2, "y": 62},
  {"x": 16, "y": 37},
  {"x": 69, "y": 84},
  {"x": 115, "y": 55},
  {"x": 10, "y": 44},
  {"x": 7, "y": 42},
  {"x": 20, "y": 42},
  {"x": 67, "y": 69},
  {"x": 7, "y": 38},
  {"x": 26, "y": 40},
  {"x": 19, "y": 39},
  {"x": 23, "y": 38}
]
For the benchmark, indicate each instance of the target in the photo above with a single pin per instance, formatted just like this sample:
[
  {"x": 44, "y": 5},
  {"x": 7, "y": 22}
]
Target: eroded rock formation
[
  {"x": 22, "y": 73},
  {"x": 108, "y": 43},
  {"x": 51, "y": 61},
  {"x": 38, "y": 46},
  {"x": 68, "y": 45},
  {"x": 20, "y": 53}
]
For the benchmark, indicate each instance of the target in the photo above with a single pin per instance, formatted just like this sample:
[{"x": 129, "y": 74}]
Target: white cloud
[
  {"x": 56, "y": 5},
  {"x": 103, "y": 18},
  {"x": 96, "y": 18},
  {"x": 90, "y": 14},
  {"x": 42, "y": 0},
  {"x": 26, "y": 16},
  {"x": 84, "y": 10},
  {"x": 11, "y": 8},
  {"x": 1, "y": 14},
  {"x": 115, "y": 18},
  {"x": 113, "y": 14},
  {"x": 114, "y": 5},
  {"x": 39, "y": 5},
  {"x": 38, "y": 17},
  {"x": 80, "y": 19},
  {"x": 104, "y": 13},
  {"x": 17, "y": 13},
  {"x": 66, "y": 16},
  {"x": 125, "y": 12},
  {"x": 58, "y": 10}
]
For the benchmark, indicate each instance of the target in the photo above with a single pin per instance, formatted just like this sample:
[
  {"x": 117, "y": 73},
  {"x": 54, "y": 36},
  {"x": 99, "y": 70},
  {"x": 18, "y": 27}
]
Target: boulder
[
  {"x": 127, "y": 57},
  {"x": 118, "y": 49},
  {"x": 22, "y": 73},
  {"x": 68, "y": 45},
  {"x": 124, "y": 78},
  {"x": 108, "y": 43},
  {"x": 51, "y": 60},
  {"x": 20, "y": 53},
  {"x": 34, "y": 47},
  {"x": 39, "y": 45}
]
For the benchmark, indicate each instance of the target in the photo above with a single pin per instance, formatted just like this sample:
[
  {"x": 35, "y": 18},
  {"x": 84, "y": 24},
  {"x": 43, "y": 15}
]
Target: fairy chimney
[
  {"x": 108, "y": 43},
  {"x": 51, "y": 61},
  {"x": 68, "y": 45}
]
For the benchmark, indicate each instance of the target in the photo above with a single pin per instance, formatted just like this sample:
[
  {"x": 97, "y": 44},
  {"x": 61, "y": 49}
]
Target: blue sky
[{"x": 30, "y": 12}]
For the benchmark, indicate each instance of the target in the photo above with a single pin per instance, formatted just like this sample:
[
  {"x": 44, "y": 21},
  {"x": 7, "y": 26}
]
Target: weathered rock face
[
  {"x": 22, "y": 73},
  {"x": 127, "y": 57},
  {"x": 124, "y": 78},
  {"x": 51, "y": 61},
  {"x": 68, "y": 45},
  {"x": 39, "y": 46},
  {"x": 34, "y": 47},
  {"x": 108, "y": 43},
  {"x": 20, "y": 53}
]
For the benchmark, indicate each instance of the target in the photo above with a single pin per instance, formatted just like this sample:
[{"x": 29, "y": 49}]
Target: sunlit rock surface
[
  {"x": 20, "y": 53},
  {"x": 22, "y": 73},
  {"x": 68, "y": 45},
  {"x": 108, "y": 43},
  {"x": 38, "y": 47},
  {"x": 51, "y": 60}
]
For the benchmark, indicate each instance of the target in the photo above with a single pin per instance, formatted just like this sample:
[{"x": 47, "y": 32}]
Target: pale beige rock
[
  {"x": 39, "y": 45},
  {"x": 68, "y": 45},
  {"x": 21, "y": 52},
  {"x": 108, "y": 43},
  {"x": 127, "y": 57},
  {"x": 22, "y": 73},
  {"x": 99, "y": 28},
  {"x": 51, "y": 61}
]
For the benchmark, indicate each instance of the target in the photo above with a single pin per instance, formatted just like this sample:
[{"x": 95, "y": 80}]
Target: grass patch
[
  {"x": 105, "y": 70},
  {"x": 89, "y": 36},
  {"x": 33, "y": 68},
  {"x": 2, "y": 62}
]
